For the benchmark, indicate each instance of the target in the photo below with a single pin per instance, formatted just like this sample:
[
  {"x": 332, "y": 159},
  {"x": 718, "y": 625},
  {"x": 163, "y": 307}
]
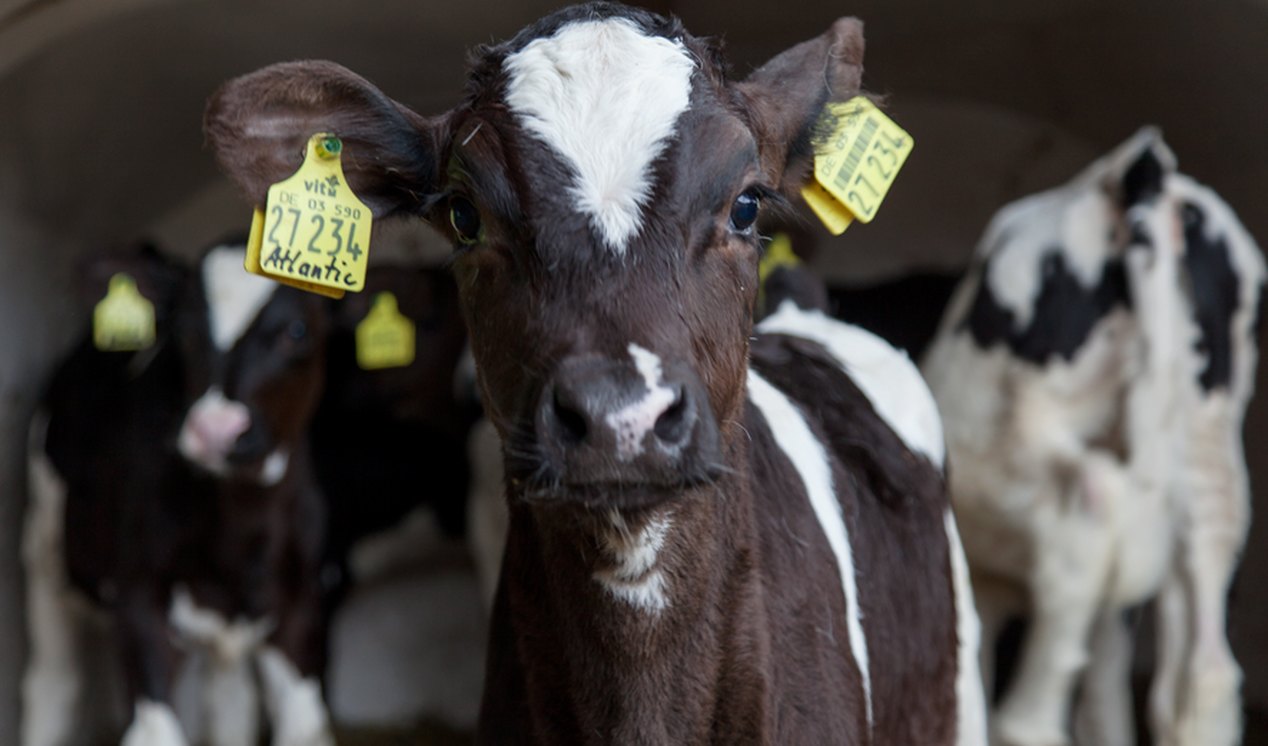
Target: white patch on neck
[
  {"x": 969, "y": 698},
  {"x": 634, "y": 421},
  {"x": 634, "y": 578},
  {"x": 234, "y": 296},
  {"x": 274, "y": 467},
  {"x": 229, "y": 642},
  {"x": 808, "y": 457},
  {"x": 886, "y": 376},
  {"x": 606, "y": 97}
]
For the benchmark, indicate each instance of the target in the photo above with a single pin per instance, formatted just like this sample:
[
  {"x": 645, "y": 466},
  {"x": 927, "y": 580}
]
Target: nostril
[
  {"x": 572, "y": 424},
  {"x": 674, "y": 424}
]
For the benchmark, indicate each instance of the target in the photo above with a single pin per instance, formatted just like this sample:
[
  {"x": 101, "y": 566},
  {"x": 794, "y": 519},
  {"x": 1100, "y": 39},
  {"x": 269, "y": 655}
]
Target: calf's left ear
[
  {"x": 257, "y": 126},
  {"x": 784, "y": 98}
]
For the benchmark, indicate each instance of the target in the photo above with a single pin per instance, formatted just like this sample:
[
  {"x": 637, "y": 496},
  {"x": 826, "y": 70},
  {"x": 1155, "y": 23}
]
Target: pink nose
[{"x": 211, "y": 428}]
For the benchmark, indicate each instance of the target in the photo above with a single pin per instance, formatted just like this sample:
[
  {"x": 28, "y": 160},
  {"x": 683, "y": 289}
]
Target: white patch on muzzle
[
  {"x": 211, "y": 427},
  {"x": 634, "y": 421}
]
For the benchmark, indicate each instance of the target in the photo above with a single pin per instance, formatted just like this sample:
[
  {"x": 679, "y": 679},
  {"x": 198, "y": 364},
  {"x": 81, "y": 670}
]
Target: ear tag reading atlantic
[
  {"x": 313, "y": 233},
  {"x": 123, "y": 321},
  {"x": 856, "y": 164},
  {"x": 385, "y": 337}
]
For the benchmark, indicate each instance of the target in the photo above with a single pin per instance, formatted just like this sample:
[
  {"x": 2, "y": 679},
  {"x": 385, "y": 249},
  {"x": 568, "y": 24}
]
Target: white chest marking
[
  {"x": 634, "y": 421},
  {"x": 234, "y": 296},
  {"x": 230, "y": 642},
  {"x": 634, "y": 578},
  {"x": 605, "y": 97},
  {"x": 808, "y": 457},
  {"x": 886, "y": 376}
]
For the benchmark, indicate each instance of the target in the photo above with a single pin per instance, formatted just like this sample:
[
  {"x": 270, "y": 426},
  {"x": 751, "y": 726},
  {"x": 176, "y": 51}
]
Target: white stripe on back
[
  {"x": 809, "y": 458},
  {"x": 606, "y": 97},
  {"x": 234, "y": 296},
  {"x": 886, "y": 376}
]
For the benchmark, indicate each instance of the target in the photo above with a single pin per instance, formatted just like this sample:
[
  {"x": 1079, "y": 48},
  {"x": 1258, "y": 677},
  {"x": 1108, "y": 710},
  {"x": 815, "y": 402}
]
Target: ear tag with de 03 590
[
  {"x": 855, "y": 164},
  {"x": 123, "y": 321},
  {"x": 385, "y": 337},
  {"x": 313, "y": 233}
]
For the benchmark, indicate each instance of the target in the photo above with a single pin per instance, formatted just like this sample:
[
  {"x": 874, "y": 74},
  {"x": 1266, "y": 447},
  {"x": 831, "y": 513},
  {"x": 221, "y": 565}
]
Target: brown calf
[{"x": 710, "y": 540}]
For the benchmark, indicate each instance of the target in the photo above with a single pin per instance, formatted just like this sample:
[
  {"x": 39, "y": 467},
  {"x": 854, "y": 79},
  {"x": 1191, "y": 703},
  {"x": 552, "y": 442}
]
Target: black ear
[
  {"x": 1137, "y": 169},
  {"x": 785, "y": 97},
  {"x": 257, "y": 126}
]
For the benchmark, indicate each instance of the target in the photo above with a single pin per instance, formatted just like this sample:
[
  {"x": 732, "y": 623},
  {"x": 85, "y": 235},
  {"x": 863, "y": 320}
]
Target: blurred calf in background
[{"x": 1093, "y": 371}]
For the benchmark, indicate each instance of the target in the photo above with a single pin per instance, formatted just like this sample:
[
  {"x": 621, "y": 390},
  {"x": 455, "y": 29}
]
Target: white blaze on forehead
[
  {"x": 234, "y": 296},
  {"x": 605, "y": 96},
  {"x": 808, "y": 457},
  {"x": 886, "y": 376},
  {"x": 634, "y": 421}
]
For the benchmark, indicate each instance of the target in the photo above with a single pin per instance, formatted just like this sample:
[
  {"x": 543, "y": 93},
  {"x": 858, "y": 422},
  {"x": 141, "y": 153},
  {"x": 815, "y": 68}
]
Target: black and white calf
[
  {"x": 710, "y": 541},
  {"x": 173, "y": 488},
  {"x": 391, "y": 442},
  {"x": 1093, "y": 371}
]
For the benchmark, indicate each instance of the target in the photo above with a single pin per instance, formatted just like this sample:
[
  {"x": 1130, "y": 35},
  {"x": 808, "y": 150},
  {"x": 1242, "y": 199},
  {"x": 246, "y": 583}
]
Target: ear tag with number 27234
[
  {"x": 385, "y": 337},
  {"x": 856, "y": 164},
  {"x": 313, "y": 233},
  {"x": 123, "y": 321}
]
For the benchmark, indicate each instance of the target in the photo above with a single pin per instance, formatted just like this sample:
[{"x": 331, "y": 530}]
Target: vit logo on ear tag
[
  {"x": 855, "y": 164},
  {"x": 385, "y": 337},
  {"x": 314, "y": 233},
  {"x": 123, "y": 321}
]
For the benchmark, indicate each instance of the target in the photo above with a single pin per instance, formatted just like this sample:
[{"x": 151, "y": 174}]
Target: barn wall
[{"x": 100, "y": 104}]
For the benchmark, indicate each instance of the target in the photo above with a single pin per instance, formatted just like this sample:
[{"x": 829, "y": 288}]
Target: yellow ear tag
[
  {"x": 123, "y": 321},
  {"x": 779, "y": 253},
  {"x": 385, "y": 337},
  {"x": 314, "y": 233},
  {"x": 856, "y": 164}
]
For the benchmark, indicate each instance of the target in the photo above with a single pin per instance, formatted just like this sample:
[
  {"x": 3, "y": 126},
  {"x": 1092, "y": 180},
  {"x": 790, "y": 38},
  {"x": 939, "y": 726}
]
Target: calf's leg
[
  {"x": 1217, "y": 495},
  {"x": 53, "y": 681},
  {"x": 149, "y": 660},
  {"x": 1073, "y": 549}
]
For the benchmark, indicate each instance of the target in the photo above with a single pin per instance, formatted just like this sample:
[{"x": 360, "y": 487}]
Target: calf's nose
[
  {"x": 211, "y": 428},
  {"x": 601, "y": 414}
]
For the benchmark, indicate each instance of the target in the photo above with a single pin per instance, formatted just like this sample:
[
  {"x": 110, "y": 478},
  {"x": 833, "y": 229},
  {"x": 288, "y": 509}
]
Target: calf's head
[
  {"x": 600, "y": 181},
  {"x": 254, "y": 356}
]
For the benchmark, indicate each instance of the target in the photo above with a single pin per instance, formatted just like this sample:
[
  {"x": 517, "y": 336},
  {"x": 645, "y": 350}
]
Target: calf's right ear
[{"x": 258, "y": 125}]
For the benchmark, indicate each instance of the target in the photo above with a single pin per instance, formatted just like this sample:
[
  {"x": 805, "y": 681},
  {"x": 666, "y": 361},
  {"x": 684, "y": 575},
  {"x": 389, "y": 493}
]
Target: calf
[
  {"x": 390, "y": 441},
  {"x": 1093, "y": 370},
  {"x": 710, "y": 540},
  {"x": 173, "y": 487}
]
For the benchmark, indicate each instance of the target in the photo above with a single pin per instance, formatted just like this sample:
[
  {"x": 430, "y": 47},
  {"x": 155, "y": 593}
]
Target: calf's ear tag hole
[
  {"x": 123, "y": 321},
  {"x": 385, "y": 337}
]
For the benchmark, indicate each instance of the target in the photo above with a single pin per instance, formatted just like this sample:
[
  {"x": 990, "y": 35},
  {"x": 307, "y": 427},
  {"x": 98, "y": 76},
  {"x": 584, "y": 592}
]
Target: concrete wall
[{"x": 101, "y": 100}]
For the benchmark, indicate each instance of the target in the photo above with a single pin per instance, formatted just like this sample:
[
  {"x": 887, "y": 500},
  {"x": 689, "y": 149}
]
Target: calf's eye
[
  {"x": 465, "y": 220},
  {"x": 744, "y": 212},
  {"x": 297, "y": 330}
]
